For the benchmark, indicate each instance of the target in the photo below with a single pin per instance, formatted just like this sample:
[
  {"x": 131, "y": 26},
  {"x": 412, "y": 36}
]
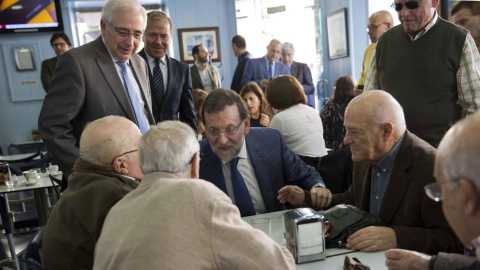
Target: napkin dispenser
[{"x": 305, "y": 234}]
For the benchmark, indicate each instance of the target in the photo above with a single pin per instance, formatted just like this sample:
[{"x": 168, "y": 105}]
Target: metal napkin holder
[{"x": 305, "y": 234}]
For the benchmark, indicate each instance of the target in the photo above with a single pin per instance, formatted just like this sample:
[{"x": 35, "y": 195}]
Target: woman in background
[
  {"x": 300, "y": 124},
  {"x": 258, "y": 108},
  {"x": 333, "y": 112},
  {"x": 199, "y": 97}
]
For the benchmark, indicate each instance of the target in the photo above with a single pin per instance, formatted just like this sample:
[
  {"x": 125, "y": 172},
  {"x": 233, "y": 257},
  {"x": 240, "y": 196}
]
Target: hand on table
[
  {"x": 264, "y": 83},
  {"x": 321, "y": 197},
  {"x": 264, "y": 120},
  {"x": 406, "y": 259},
  {"x": 372, "y": 238},
  {"x": 291, "y": 194}
]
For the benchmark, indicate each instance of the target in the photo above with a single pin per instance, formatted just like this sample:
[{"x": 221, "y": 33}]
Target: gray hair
[
  {"x": 159, "y": 16},
  {"x": 289, "y": 46},
  {"x": 383, "y": 107},
  {"x": 106, "y": 138},
  {"x": 459, "y": 149},
  {"x": 168, "y": 147},
  {"x": 112, "y": 6}
]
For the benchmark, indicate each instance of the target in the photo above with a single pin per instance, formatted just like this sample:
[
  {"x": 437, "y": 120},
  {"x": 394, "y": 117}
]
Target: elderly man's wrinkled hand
[
  {"x": 291, "y": 194},
  {"x": 321, "y": 197},
  {"x": 373, "y": 238},
  {"x": 406, "y": 259}
]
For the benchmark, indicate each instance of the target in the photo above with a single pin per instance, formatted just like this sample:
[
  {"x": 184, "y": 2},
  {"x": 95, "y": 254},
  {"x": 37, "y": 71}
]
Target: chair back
[
  {"x": 31, "y": 255},
  {"x": 336, "y": 169},
  {"x": 55, "y": 182},
  {"x": 7, "y": 226}
]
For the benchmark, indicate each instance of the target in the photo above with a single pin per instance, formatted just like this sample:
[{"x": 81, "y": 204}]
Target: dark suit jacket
[
  {"x": 85, "y": 87},
  {"x": 275, "y": 165},
  {"x": 178, "y": 101},
  {"x": 46, "y": 73},
  {"x": 256, "y": 70},
  {"x": 214, "y": 76},
  {"x": 418, "y": 221},
  {"x": 304, "y": 76},
  {"x": 237, "y": 76}
]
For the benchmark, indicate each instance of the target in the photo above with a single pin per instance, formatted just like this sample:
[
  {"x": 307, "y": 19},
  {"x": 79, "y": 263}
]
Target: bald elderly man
[
  {"x": 391, "y": 167},
  {"x": 262, "y": 70},
  {"x": 378, "y": 23},
  {"x": 108, "y": 168},
  {"x": 457, "y": 171}
]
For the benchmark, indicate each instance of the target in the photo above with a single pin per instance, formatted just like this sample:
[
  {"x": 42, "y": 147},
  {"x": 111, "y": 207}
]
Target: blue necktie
[
  {"x": 240, "y": 191},
  {"x": 134, "y": 100},
  {"x": 270, "y": 69},
  {"x": 158, "y": 84}
]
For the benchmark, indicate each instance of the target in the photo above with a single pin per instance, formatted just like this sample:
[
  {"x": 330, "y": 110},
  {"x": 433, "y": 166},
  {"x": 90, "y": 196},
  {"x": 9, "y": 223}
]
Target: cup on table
[
  {"x": 263, "y": 224},
  {"x": 31, "y": 175},
  {"x": 53, "y": 169},
  {"x": 12, "y": 181}
]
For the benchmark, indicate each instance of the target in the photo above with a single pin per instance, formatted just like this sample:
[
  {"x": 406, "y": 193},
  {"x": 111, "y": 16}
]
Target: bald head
[
  {"x": 378, "y": 23},
  {"x": 108, "y": 137},
  {"x": 374, "y": 122},
  {"x": 274, "y": 49},
  {"x": 458, "y": 151}
]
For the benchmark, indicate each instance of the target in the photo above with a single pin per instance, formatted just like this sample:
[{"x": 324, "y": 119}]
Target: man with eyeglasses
[
  {"x": 378, "y": 23},
  {"x": 430, "y": 66},
  {"x": 108, "y": 168},
  {"x": 103, "y": 77},
  {"x": 457, "y": 174},
  {"x": 178, "y": 221},
  {"x": 60, "y": 43},
  {"x": 170, "y": 82},
  {"x": 249, "y": 164},
  {"x": 391, "y": 167}
]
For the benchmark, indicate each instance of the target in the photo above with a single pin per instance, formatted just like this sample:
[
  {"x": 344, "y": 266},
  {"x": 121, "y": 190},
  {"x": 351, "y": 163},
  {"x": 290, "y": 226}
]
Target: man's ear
[
  {"x": 195, "y": 167},
  {"x": 247, "y": 125},
  {"x": 435, "y": 3},
  {"x": 472, "y": 198},
  {"x": 120, "y": 165},
  {"x": 387, "y": 131}
]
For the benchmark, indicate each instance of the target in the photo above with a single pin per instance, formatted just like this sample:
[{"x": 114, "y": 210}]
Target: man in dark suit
[
  {"x": 249, "y": 164},
  {"x": 60, "y": 44},
  {"x": 239, "y": 47},
  {"x": 391, "y": 168},
  {"x": 170, "y": 82},
  {"x": 103, "y": 77},
  {"x": 262, "y": 70},
  {"x": 297, "y": 69}
]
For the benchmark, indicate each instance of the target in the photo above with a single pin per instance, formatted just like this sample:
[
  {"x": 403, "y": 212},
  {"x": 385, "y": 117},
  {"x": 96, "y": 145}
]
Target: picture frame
[
  {"x": 207, "y": 36},
  {"x": 337, "y": 34}
]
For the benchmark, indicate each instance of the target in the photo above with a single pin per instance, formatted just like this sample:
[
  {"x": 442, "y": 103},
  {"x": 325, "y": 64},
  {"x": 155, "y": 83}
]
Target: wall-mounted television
[{"x": 25, "y": 16}]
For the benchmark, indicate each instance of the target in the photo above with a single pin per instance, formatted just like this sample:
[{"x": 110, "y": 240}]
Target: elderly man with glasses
[
  {"x": 108, "y": 169},
  {"x": 103, "y": 77},
  {"x": 430, "y": 66},
  {"x": 249, "y": 164},
  {"x": 457, "y": 173},
  {"x": 391, "y": 167}
]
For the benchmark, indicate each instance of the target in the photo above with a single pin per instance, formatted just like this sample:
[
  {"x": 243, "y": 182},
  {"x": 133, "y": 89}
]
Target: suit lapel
[
  {"x": 263, "y": 67},
  {"x": 212, "y": 168},
  {"x": 294, "y": 70},
  {"x": 106, "y": 65},
  {"x": 138, "y": 67},
  {"x": 172, "y": 77},
  {"x": 259, "y": 159},
  {"x": 195, "y": 74},
  {"x": 399, "y": 181}
]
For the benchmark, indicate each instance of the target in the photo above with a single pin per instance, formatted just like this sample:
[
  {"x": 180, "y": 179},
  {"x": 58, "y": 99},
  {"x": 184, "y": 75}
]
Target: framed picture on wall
[
  {"x": 337, "y": 34},
  {"x": 190, "y": 37}
]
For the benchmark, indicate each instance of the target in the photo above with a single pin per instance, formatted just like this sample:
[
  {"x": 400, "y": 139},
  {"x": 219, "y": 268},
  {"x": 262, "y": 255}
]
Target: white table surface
[
  {"x": 335, "y": 256},
  {"x": 10, "y": 158}
]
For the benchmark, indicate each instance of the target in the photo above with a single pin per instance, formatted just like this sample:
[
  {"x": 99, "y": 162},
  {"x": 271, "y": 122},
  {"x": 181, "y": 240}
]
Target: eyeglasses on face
[
  {"x": 229, "y": 131},
  {"x": 434, "y": 190},
  {"x": 374, "y": 27},
  {"x": 124, "y": 33},
  {"x": 59, "y": 45},
  {"x": 113, "y": 160},
  {"x": 409, "y": 5}
]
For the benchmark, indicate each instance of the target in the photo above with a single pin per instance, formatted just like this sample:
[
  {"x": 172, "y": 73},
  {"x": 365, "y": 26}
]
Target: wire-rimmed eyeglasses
[{"x": 113, "y": 160}]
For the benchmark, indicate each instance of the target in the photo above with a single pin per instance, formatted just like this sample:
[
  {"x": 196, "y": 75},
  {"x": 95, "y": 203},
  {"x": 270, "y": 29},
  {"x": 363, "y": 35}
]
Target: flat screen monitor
[{"x": 24, "y": 16}]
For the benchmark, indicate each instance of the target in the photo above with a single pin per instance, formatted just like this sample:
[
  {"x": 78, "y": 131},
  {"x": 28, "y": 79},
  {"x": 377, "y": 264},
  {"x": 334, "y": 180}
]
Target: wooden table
[{"x": 335, "y": 256}]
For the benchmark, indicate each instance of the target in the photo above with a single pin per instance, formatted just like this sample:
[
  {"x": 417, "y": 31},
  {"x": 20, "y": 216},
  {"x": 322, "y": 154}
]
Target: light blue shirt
[
  {"x": 380, "y": 178},
  {"x": 273, "y": 67}
]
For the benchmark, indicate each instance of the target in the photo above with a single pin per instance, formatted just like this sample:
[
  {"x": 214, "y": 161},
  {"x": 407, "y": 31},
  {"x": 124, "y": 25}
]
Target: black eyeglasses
[
  {"x": 123, "y": 154},
  {"x": 409, "y": 5}
]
